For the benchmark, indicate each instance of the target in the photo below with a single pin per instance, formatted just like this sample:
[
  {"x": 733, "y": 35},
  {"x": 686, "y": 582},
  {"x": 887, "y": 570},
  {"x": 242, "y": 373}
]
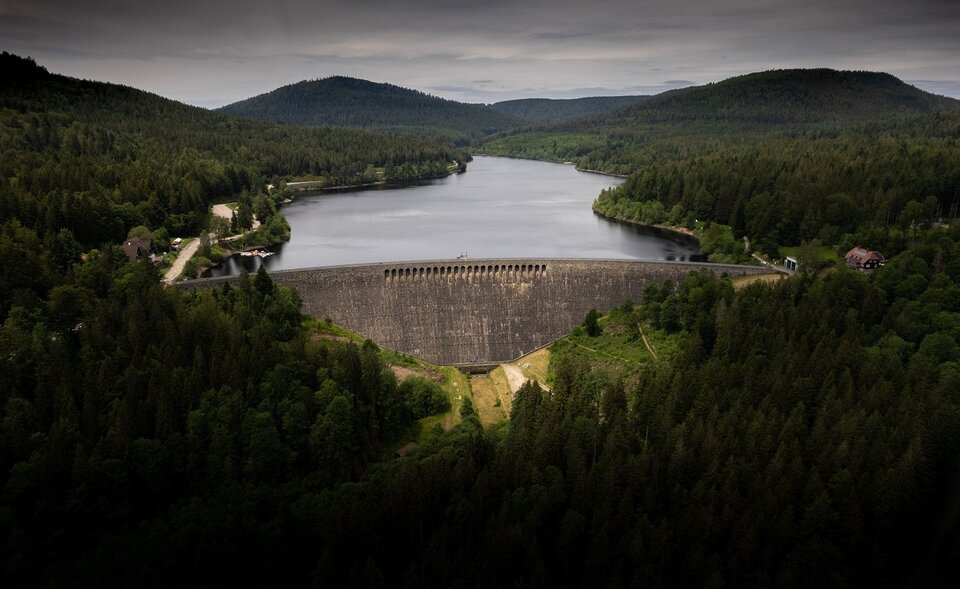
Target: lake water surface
[{"x": 499, "y": 208}]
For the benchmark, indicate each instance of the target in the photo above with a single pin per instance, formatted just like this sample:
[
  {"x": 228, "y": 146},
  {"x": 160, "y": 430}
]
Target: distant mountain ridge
[
  {"x": 699, "y": 120},
  {"x": 351, "y": 102},
  {"x": 549, "y": 111},
  {"x": 793, "y": 96}
]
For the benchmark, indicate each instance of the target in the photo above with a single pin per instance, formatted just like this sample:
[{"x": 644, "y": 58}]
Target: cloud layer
[{"x": 211, "y": 53}]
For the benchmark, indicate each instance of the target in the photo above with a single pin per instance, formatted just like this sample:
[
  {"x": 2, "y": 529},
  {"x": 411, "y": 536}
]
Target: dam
[{"x": 474, "y": 312}]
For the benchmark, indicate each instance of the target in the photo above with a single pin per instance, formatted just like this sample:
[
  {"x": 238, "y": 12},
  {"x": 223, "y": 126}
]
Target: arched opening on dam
[{"x": 481, "y": 271}]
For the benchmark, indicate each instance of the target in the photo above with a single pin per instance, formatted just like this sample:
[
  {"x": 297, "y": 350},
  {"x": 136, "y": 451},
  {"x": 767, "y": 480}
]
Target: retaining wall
[{"x": 475, "y": 311}]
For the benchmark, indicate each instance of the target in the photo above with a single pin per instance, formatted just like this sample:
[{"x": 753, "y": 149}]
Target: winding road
[
  {"x": 182, "y": 258},
  {"x": 188, "y": 252}
]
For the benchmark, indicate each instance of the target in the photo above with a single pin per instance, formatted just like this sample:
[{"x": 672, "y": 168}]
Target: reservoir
[{"x": 498, "y": 208}]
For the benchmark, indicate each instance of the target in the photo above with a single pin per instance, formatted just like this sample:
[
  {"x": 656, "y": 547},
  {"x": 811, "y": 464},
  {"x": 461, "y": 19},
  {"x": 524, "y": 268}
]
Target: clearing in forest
[
  {"x": 742, "y": 281},
  {"x": 493, "y": 392}
]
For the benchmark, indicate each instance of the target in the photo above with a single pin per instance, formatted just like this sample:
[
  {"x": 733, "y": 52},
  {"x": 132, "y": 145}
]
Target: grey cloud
[
  {"x": 452, "y": 88},
  {"x": 202, "y": 52},
  {"x": 941, "y": 87},
  {"x": 566, "y": 35}
]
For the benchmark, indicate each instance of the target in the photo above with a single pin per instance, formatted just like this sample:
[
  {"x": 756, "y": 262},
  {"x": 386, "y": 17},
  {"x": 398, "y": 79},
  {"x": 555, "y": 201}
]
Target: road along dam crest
[{"x": 475, "y": 311}]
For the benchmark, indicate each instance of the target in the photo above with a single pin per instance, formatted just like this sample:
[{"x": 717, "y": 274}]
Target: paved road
[{"x": 782, "y": 269}]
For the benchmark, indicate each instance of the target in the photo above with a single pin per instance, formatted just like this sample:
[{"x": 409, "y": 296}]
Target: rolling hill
[
  {"x": 784, "y": 97},
  {"x": 701, "y": 119},
  {"x": 799, "y": 98},
  {"x": 546, "y": 111},
  {"x": 99, "y": 158},
  {"x": 785, "y": 157},
  {"x": 350, "y": 102},
  {"x": 803, "y": 433}
]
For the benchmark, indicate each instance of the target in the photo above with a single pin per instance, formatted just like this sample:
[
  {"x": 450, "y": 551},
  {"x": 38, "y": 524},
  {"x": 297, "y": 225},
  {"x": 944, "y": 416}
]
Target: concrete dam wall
[{"x": 475, "y": 311}]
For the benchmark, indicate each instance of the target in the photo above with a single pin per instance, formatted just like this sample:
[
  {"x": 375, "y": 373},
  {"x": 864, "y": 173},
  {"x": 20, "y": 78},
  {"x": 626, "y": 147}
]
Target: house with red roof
[{"x": 864, "y": 259}]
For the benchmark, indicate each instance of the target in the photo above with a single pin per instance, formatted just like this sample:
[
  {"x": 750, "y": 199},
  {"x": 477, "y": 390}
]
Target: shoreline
[
  {"x": 304, "y": 186},
  {"x": 562, "y": 162},
  {"x": 311, "y": 186},
  {"x": 232, "y": 252},
  {"x": 677, "y": 229},
  {"x": 687, "y": 233},
  {"x": 221, "y": 210},
  {"x": 600, "y": 172}
]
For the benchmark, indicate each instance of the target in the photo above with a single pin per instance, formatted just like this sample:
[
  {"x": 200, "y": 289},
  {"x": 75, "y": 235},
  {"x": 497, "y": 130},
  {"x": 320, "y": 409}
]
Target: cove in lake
[{"x": 498, "y": 208}]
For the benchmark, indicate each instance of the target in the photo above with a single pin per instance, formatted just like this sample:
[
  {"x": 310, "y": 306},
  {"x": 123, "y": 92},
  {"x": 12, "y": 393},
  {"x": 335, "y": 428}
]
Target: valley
[{"x": 650, "y": 418}]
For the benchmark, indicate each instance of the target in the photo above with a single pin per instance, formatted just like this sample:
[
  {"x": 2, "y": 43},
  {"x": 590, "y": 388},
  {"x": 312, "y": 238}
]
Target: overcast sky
[{"x": 210, "y": 53}]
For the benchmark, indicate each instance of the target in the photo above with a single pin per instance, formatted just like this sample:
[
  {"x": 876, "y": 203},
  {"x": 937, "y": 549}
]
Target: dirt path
[
  {"x": 493, "y": 392},
  {"x": 646, "y": 343},
  {"x": 182, "y": 258},
  {"x": 515, "y": 377},
  {"x": 602, "y": 353},
  {"x": 188, "y": 252}
]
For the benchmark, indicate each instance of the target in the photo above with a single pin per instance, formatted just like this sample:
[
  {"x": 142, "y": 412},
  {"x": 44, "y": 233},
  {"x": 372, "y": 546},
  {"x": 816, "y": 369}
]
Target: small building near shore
[
  {"x": 137, "y": 248},
  {"x": 790, "y": 263},
  {"x": 864, "y": 259}
]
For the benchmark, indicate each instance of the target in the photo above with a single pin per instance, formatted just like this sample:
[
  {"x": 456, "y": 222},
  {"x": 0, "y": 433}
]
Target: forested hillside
[
  {"x": 125, "y": 404},
  {"x": 817, "y": 97},
  {"x": 349, "y": 102},
  {"x": 805, "y": 435},
  {"x": 546, "y": 111},
  {"x": 93, "y": 159},
  {"x": 783, "y": 103},
  {"x": 862, "y": 186},
  {"x": 121, "y": 400},
  {"x": 782, "y": 156}
]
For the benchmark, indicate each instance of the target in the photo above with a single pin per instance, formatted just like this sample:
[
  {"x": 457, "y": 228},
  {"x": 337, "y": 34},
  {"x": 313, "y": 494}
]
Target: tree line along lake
[{"x": 498, "y": 208}]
